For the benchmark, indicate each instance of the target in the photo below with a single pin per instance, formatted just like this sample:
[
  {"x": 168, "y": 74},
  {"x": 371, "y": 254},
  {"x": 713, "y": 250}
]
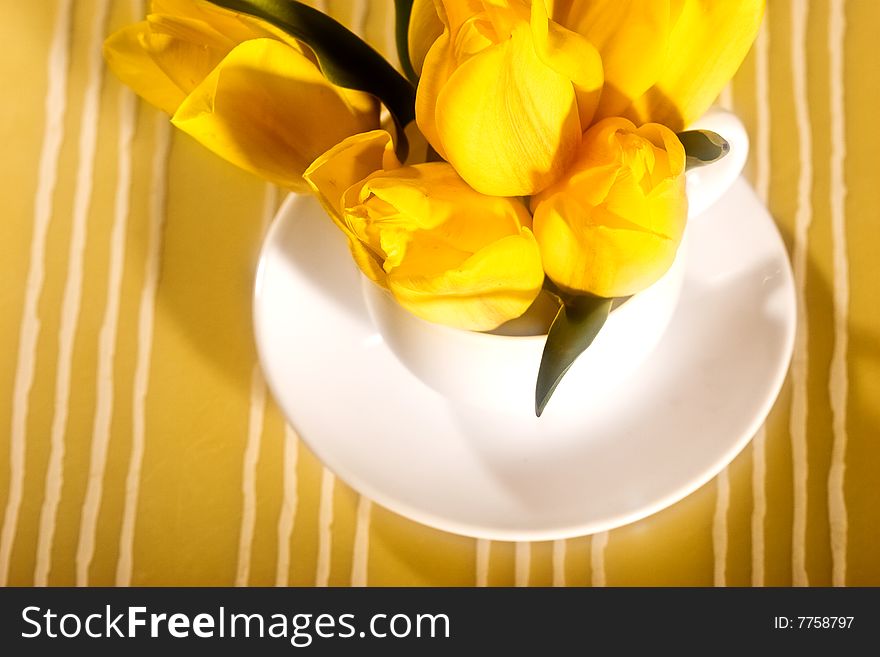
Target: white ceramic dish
[{"x": 680, "y": 417}]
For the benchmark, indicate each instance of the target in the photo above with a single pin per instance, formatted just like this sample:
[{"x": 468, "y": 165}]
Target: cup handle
[{"x": 707, "y": 184}]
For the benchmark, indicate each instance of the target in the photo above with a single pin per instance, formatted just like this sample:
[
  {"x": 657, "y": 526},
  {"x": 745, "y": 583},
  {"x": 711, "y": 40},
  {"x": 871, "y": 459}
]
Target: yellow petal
[
  {"x": 495, "y": 285},
  {"x": 438, "y": 66},
  {"x": 267, "y": 109},
  {"x": 446, "y": 53},
  {"x": 454, "y": 13},
  {"x": 423, "y": 216},
  {"x": 507, "y": 122},
  {"x": 608, "y": 261},
  {"x": 236, "y": 27},
  {"x": 168, "y": 55},
  {"x": 424, "y": 28},
  {"x": 665, "y": 141},
  {"x": 344, "y": 165},
  {"x": 130, "y": 62},
  {"x": 432, "y": 196},
  {"x": 631, "y": 37},
  {"x": 571, "y": 55},
  {"x": 614, "y": 249},
  {"x": 233, "y": 26},
  {"x": 186, "y": 50},
  {"x": 349, "y": 162},
  {"x": 707, "y": 44}
]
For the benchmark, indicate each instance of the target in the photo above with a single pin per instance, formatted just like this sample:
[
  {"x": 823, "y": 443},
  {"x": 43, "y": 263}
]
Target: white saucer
[{"x": 687, "y": 412}]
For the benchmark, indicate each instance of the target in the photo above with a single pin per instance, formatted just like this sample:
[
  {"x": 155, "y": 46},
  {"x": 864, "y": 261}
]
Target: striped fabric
[{"x": 139, "y": 445}]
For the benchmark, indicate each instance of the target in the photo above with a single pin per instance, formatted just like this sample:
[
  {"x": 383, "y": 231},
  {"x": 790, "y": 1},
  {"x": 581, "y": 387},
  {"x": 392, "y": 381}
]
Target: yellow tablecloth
[{"x": 138, "y": 444}]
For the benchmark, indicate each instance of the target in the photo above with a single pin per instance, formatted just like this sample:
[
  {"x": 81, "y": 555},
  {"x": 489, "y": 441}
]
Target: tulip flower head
[
  {"x": 238, "y": 85},
  {"x": 612, "y": 225},
  {"x": 446, "y": 252},
  {"x": 505, "y": 94}
]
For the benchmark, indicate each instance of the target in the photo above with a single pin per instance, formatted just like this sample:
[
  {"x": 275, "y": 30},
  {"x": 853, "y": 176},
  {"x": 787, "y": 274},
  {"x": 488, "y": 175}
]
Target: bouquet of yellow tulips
[{"x": 555, "y": 129}]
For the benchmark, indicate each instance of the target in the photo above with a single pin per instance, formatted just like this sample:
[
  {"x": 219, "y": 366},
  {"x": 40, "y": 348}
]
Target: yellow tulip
[
  {"x": 238, "y": 85},
  {"x": 665, "y": 61},
  {"x": 612, "y": 225},
  {"x": 446, "y": 252},
  {"x": 505, "y": 94}
]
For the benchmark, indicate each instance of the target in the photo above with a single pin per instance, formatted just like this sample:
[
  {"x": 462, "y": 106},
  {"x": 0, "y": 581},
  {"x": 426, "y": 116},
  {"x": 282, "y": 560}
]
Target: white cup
[{"x": 499, "y": 372}]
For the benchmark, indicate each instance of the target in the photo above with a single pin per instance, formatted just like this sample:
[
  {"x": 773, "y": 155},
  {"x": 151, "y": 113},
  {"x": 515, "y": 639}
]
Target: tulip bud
[
  {"x": 446, "y": 252},
  {"x": 241, "y": 87},
  {"x": 505, "y": 94},
  {"x": 612, "y": 225}
]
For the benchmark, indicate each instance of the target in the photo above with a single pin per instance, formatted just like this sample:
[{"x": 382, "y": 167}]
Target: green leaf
[
  {"x": 402, "y": 14},
  {"x": 577, "y": 324},
  {"x": 702, "y": 147},
  {"x": 345, "y": 59}
]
